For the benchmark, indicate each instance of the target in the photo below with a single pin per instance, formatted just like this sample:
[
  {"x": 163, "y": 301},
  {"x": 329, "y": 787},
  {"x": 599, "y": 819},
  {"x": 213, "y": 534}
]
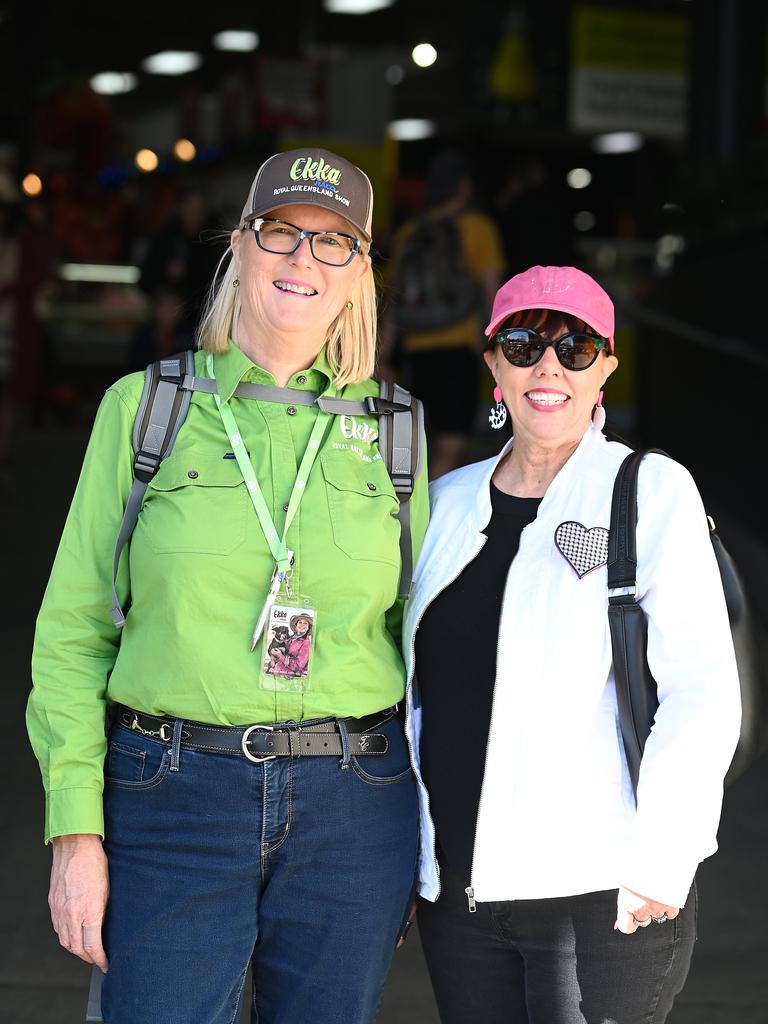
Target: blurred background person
[{"x": 446, "y": 266}]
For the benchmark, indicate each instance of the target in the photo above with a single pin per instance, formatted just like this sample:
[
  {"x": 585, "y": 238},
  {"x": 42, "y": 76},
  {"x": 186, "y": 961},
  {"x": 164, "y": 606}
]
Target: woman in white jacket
[{"x": 537, "y": 864}]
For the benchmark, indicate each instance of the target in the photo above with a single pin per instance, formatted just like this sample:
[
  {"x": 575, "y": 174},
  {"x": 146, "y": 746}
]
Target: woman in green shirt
[{"x": 248, "y": 816}]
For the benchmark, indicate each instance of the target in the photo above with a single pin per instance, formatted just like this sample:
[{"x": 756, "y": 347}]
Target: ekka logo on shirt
[{"x": 353, "y": 431}]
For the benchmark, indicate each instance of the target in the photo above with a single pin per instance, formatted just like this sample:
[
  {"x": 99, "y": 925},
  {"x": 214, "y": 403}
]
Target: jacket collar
[{"x": 592, "y": 438}]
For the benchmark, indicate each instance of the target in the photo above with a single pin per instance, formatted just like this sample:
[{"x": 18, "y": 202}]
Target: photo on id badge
[{"x": 288, "y": 645}]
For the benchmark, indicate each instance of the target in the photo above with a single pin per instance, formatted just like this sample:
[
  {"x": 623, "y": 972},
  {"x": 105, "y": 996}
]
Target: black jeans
[{"x": 551, "y": 961}]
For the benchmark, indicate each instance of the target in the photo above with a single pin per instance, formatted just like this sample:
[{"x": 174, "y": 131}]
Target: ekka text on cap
[
  {"x": 565, "y": 289},
  {"x": 313, "y": 176}
]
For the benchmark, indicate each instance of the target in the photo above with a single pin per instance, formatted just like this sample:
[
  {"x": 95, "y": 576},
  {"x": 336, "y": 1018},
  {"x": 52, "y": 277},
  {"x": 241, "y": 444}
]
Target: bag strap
[
  {"x": 400, "y": 445},
  {"x": 162, "y": 410},
  {"x": 636, "y": 695}
]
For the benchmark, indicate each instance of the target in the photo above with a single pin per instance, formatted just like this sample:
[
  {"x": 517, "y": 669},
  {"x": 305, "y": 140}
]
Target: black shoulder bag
[{"x": 635, "y": 686}]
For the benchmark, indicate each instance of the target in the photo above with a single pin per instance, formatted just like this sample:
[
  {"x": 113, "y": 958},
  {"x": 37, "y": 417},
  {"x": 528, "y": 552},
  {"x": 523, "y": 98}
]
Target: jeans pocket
[{"x": 136, "y": 765}]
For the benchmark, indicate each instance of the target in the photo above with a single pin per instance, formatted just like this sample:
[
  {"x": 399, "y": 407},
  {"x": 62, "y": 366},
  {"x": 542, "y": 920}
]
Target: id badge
[{"x": 289, "y": 639}]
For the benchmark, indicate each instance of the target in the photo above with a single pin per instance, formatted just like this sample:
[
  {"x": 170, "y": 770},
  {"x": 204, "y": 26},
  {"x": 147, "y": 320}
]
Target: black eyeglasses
[
  {"x": 522, "y": 346},
  {"x": 331, "y": 247}
]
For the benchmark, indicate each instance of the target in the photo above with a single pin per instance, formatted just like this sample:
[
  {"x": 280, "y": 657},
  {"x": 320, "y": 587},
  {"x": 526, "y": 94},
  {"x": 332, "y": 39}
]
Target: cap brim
[
  {"x": 558, "y": 307},
  {"x": 302, "y": 201}
]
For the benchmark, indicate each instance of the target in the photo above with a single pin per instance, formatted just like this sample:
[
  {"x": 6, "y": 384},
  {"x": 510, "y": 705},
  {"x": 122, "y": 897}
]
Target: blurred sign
[
  {"x": 628, "y": 72},
  {"x": 290, "y": 94}
]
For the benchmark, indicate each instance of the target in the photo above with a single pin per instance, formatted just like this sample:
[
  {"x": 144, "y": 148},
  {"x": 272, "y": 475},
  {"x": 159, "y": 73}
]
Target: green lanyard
[{"x": 281, "y": 553}]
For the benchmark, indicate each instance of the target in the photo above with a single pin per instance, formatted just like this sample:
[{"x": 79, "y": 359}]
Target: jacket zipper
[{"x": 410, "y": 682}]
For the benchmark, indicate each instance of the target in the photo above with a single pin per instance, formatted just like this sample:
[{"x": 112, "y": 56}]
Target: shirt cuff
[{"x": 73, "y": 812}]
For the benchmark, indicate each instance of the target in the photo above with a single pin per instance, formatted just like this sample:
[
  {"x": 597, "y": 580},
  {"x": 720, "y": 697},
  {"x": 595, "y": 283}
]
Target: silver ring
[
  {"x": 641, "y": 924},
  {"x": 660, "y": 920}
]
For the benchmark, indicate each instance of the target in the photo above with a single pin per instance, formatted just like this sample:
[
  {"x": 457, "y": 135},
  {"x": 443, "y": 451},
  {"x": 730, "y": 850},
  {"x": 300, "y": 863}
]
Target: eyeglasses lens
[
  {"x": 331, "y": 247},
  {"x": 524, "y": 347}
]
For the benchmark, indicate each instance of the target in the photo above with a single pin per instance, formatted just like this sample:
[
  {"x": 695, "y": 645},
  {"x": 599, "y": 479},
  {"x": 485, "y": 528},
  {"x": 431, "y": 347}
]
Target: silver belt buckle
[{"x": 244, "y": 744}]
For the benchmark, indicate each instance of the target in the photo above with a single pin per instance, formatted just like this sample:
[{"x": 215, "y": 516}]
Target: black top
[{"x": 456, "y": 647}]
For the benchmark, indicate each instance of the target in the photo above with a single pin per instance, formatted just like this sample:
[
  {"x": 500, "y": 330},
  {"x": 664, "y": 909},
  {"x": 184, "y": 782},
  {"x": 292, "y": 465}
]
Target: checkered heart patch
[{"x": 583, "y": 549}]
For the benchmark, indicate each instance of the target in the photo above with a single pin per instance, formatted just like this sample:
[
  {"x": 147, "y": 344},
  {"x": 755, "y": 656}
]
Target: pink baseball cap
[{"x": 565, "y": 289}]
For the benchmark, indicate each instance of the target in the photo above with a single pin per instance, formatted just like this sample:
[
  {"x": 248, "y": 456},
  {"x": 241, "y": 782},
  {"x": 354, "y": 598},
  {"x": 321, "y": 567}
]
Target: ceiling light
[
  {"x": 578, "y": 177},
  {"x": 618, "y": 142},
  {"x": 146, "y": 160},
  {"x": 113, "y": 83},
  {"x": 32, "y": 185},
  {"x": 184, "y": 150},
  {"x": 172, "y": 62},
  {"x": 356, "y": 6},
  {"x": 101, "y": 272},
  {"x": 410, "y": 129},
  {"x": 424, "y": 54},
  {"x": 584, "y": 220},
  {"x": 394, "y": 74},
  {"x": 236, "y": 40}
]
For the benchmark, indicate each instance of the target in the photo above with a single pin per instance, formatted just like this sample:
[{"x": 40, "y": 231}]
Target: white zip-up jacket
[{"x": 557, "y": 814}]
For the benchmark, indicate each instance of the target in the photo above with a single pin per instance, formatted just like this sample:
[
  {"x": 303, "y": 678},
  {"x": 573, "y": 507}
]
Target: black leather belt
[{"x": 317, "y": 738}]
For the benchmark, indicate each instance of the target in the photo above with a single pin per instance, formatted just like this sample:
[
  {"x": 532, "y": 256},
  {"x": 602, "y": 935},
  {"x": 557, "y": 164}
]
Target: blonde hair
[{"x": 350, "y": 339}]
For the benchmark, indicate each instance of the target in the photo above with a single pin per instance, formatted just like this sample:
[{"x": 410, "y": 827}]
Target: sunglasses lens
[
  {"x": 519, "y": 347},
  {"x": 578, "y": 351}
]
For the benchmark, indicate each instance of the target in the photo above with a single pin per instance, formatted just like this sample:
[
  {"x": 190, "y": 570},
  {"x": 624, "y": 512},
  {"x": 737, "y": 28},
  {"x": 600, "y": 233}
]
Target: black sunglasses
[{"x": 522, "y": 346}]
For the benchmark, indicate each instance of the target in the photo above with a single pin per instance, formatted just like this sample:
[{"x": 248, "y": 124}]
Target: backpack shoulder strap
[
  {"x": 400, "y": 443},
  {"x": 162, "y": 410}
]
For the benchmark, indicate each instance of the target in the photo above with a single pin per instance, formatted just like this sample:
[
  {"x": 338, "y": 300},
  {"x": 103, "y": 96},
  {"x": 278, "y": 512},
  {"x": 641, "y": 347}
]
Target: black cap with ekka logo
[{"x": 312, "y": 176}]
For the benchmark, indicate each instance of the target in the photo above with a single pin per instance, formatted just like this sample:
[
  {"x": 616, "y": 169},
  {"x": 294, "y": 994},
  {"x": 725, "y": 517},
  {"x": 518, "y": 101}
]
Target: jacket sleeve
[
  {"x": 691, "y": 657},
  {"x": 76, "y": 643},
  {"x": 419, "y": 522}
]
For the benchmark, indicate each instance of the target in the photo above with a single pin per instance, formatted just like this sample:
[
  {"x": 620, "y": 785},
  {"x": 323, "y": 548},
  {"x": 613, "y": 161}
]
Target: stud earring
[
  {"x": 350, "y": 304},
  {"x": 498, "y": 414},
  {"x": 236, "y": 283}
]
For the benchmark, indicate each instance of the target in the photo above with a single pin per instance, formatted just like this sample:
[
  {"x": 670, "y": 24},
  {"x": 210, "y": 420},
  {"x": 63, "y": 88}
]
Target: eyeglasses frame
[{"x": 255, "y": 226}]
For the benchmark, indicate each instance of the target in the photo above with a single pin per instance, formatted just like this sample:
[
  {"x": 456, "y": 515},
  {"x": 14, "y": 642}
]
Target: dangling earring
[
  {"x": 498, "y": 414},
  {"x": 350, "y": 304},
  {"x": 598, "y": 416},
  {"x": 236, "y": 283}
]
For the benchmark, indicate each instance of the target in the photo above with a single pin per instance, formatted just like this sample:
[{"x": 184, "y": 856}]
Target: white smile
[
  {"x": 297, "y": 289},
  {"x": 546, "y": 398}
]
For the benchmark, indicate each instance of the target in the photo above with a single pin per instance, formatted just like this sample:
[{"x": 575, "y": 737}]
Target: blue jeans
[
  {"x": 551, "y": 961},
  {"x": 297, "y": 867}
]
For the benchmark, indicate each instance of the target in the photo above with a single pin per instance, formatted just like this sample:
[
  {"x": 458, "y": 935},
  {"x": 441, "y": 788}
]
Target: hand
[
  {"x": 78, "y": 895},
  {"x": 634, "y": 909},
  {"x": 406, "y": 926}
]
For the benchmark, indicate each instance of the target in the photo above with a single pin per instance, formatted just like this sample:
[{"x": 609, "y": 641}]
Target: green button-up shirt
[{"x": 196, "y": 574}]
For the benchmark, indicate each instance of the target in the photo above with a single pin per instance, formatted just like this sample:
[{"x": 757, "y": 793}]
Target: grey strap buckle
[{"x": 244, "y": 744}]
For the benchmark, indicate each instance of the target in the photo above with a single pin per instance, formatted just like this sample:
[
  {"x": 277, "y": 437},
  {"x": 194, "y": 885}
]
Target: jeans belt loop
[
  {"x": 176, "y": 744},
  {"x": 344, "y": 734}
]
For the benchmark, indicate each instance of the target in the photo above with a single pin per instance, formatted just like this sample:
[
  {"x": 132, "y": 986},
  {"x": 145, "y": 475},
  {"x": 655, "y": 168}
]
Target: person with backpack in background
[
  {"x": 446, "y": 266},
  {"x": 208, "y": 815}
]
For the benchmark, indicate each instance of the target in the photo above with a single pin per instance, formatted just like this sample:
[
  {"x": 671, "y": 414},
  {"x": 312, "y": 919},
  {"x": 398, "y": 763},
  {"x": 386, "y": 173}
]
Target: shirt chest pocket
[
  {"x": 195, "y": 504},
  {"x": 363, "y": 509}
]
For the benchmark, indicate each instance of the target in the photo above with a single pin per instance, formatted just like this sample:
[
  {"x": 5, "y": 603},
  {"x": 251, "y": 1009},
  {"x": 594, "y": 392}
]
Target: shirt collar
[{"x": 233, "y": 365}]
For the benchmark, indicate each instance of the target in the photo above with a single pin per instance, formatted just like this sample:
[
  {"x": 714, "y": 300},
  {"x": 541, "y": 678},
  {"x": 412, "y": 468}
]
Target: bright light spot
[
  {"x": 670, "y": 244},
  {"x": 584, "y": 220},
  {"x": 410, "y": 129},
  {"x": 184, "y": 150},
  {"x": 579, "y": 177},
  {"x": 424, "y": 54},
  {"x": 32, "y": 185},
  {"x": 113, "y": 83},
  {"x": 356, "y": 6},
  {"x": 618, "y": 142},
  {"x": 101, "y": 272},
  {"x": 146, "y": 160},
  {"x": 236, "y": 40},
  {"x": 394, "y": 74},
  {"x": 172, "y": 62}
]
